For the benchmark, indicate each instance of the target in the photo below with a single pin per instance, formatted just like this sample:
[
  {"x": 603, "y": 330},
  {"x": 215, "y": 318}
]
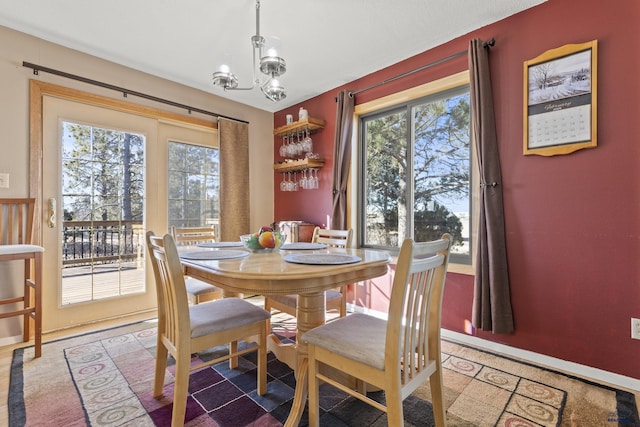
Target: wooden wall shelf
[
  {"x": 311, "y": 124},
  {"x": 298, "y": 165}
]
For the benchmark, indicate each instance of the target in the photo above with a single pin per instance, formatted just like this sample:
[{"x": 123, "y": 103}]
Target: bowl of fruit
[{"x": 264, "y": 240}]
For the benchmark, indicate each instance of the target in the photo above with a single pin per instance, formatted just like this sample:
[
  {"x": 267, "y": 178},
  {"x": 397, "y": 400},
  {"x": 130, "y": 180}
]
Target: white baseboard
[
  {"x": 10, "y": 340},
  {"x": 570, "y": 368}
]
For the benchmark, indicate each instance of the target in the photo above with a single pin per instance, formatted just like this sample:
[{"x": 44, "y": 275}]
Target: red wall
[{"x": 572, "y": 221}]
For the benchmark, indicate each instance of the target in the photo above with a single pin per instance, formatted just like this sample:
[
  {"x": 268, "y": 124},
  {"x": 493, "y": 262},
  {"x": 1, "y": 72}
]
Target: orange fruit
[{"x": 267, "y": 239}]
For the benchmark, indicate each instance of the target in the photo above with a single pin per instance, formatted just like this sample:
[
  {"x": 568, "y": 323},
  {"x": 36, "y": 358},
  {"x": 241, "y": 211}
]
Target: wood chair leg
[
  {"x": 395, "y": 416},
  {"x": 262, "y": 362},
  {"x": 26, "y": 330},
  {"x": 233, "y": 348},
  {"x": 314, "y": 391},
  {"x": 37, "y": 314},
  {"x": 161, "y": 367},
  {"x": 343, "y": 300},
  {"x": 437, "y": 399},
  {"x": 181, "y": 386},
  {"x": 267, "y": 308}
]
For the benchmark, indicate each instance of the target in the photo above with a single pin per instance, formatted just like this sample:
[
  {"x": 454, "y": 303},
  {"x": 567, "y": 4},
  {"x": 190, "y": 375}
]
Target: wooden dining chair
[
  {"x": 16, "y": 228},
  {"x": 187, "y": 236},
  {"x": 336, "y": 299},
  {"x": 184, "y": 330},
  {"x": 193, "y": 235},
  {"x": 395, "y": 355}
]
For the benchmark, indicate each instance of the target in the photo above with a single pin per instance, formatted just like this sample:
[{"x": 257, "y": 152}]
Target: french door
[{"x": 104, "y": 185}]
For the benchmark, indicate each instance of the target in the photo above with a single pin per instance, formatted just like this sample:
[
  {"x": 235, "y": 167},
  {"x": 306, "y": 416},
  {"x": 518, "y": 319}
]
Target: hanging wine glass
[
  {"x": 291, "y": 148},
  {"x": 288, "y": 181},
  {"x": 298, "y": 145},
  {"x": 283, "y": 147},
  {"x": 303, "y": 180},
  {"x": 307, "y": 144}
]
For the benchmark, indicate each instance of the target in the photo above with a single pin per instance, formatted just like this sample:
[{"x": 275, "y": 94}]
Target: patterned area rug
[{"x": 105, "y": 379}]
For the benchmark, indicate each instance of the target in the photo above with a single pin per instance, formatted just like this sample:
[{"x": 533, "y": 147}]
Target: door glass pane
[
  {"x": 194, "y": 186},
  {"x": 103, "y": 206}
]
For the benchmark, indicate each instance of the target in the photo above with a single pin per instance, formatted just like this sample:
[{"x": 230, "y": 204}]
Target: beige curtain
[
  {"x": 491, "y": 300},
  {"x": 234, "y": 179}
]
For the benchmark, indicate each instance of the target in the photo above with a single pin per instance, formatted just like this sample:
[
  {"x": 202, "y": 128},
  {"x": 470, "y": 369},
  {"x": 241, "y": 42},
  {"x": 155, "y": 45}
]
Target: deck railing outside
[{"x": 87, "y": 242}]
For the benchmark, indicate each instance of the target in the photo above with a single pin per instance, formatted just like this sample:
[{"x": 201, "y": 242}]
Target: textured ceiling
[{"x": 326, "y": 43}]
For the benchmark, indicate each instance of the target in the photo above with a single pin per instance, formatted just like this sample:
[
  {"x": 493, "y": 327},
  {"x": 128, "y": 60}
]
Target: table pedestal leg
[{"x": 310, "y": 314}]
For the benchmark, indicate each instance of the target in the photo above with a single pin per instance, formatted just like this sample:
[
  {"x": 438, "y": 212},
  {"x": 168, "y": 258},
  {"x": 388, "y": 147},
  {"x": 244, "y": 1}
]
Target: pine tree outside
[{"x": 417, "y": 172}]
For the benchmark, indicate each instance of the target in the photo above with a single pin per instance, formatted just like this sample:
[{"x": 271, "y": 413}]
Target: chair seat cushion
[
  {"x": 332, "y": 294},
  {"x": 198, "y": 287},
  {"x": 358, "y": 337},
  {"x": 223, "y": 314},
  {"x": 19, "y": 249},
  {"x": 292, "y": 300}
]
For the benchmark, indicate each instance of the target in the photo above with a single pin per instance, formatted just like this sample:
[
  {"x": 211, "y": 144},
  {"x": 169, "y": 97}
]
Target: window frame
[
  {"x": 357, "y": 175},
  {"x": 407, "y": 111}
]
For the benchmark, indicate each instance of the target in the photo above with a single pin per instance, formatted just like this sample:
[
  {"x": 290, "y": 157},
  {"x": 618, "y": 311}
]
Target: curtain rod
[
  {"x": 424, "y": 67},
  {"x": 125, "y": 92}
]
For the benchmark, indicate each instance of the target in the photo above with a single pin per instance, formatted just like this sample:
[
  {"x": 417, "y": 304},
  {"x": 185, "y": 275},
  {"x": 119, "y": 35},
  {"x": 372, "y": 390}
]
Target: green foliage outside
[{"x": 103, "y": 176}]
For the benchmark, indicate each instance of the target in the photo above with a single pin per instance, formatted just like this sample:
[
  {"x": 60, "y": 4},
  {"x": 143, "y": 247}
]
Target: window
[
  {"x": 416, "y": 164},
  {"x": 194, "y": 185}
]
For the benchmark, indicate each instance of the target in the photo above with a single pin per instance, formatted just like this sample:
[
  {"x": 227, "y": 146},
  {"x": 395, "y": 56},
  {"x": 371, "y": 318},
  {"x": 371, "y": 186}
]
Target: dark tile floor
[{"x": 229, "y": 397}]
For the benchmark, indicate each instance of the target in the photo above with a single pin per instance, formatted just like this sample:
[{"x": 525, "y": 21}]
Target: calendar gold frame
[{"x": 550, "y": 58}]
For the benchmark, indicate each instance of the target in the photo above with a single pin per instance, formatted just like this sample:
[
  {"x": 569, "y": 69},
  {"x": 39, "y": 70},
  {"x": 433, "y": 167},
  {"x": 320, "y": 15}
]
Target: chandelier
[{"x": 270, "y": 64}]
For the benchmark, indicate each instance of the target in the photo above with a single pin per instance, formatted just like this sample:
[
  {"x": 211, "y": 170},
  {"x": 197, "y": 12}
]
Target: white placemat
[
  {"x": 213, "y": 255},
  {"x": 220, "y": 245},
  {"x": 322, "y": 259},
  {"x": 302, "y": 246}
]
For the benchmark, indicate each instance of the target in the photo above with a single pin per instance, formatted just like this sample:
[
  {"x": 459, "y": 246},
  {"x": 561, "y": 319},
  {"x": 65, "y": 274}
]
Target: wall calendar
[{"x": 560, "y": 100}]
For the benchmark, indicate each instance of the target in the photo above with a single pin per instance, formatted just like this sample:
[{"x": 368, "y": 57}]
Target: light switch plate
[{"x": 4, "y": 180}]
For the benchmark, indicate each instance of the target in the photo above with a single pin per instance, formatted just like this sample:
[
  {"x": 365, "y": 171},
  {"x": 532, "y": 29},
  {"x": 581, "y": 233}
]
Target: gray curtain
[
  {"x": 342, "y": 159},
  {"x": 492, "y": 300},
  {"x": 234, "y": 179}
]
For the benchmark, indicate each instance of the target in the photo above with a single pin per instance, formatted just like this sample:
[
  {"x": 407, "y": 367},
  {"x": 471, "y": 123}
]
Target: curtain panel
[
  {"x": 342, "y": 159},
  {"x": 234, "y": 179},
  {"x": 492, "y": 299}
]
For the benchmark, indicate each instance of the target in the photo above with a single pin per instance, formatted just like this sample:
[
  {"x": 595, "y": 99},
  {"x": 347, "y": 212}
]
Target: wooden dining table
[{"x": 287, "y": 272}]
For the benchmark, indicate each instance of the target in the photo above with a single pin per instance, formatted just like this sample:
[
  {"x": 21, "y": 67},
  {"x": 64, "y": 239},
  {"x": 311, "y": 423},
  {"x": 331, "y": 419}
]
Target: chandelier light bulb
[
  {"x": 225, "y": 78},
  {"x": 273, "y": 91}
]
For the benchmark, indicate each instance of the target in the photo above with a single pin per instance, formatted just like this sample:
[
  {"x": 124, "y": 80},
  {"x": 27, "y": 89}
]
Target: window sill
[
  {"x": 461, "y": 269},
  {"x": 452, "y": 268}
]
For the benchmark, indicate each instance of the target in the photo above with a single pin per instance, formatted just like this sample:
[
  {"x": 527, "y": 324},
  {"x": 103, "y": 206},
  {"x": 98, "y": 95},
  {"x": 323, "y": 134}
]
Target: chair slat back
[
  {"x": 193, "y": 235},
  {"x": 173, "y": 303},
  {"x": 335, "y": 238},
  {"x": 16, "y": 221},
  {"x": 413, "y": 328}
]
